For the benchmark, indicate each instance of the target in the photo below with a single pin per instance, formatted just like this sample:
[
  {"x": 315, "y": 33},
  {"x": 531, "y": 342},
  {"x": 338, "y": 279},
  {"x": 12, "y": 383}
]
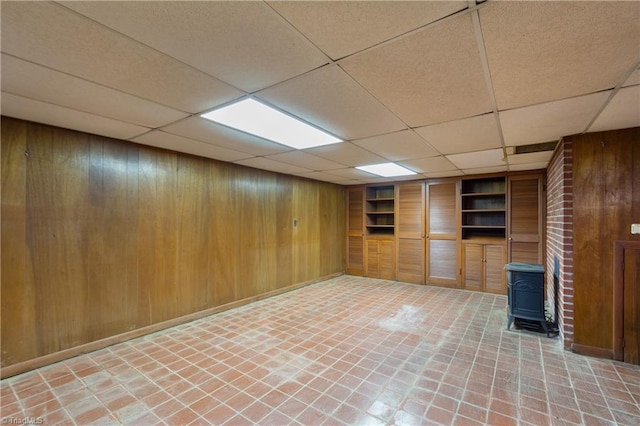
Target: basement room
[{"x": 320, "y": 213}]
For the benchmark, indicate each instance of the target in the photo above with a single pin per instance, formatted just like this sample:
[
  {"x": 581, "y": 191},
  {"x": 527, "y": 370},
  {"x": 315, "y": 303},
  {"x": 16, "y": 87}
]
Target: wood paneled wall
[
  {"x": 101, "y": 237},
  {"x": 606, "y": 200}
]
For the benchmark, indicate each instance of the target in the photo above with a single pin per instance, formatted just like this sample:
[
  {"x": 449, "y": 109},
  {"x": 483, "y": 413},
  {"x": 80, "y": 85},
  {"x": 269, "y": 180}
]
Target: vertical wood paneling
[
  {"x": 331, "y": 210},
  {"x": 111, "y": 255},
  {"x": 306, "y": 236},
  {"x": 284, "y": 223},
  {"x": 195, "y": 291},
  {"x": 605, "y": 181},
  {"x": 631, "y": 297},
  {"x": 101, "y": 237},
  {"x": 18, "y": 298},
  {"x": 157, "y": 239},
  {"x": 58, "y": 234}
]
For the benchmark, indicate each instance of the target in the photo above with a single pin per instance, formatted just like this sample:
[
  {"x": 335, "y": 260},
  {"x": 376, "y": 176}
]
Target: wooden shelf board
[{"x": 381, "y": 199}]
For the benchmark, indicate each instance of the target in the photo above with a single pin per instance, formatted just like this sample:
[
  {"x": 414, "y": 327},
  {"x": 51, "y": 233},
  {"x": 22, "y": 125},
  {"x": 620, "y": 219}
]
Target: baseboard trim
[
  {"x": 24, "y": 366},
  {"x": 592, "y": 351}
]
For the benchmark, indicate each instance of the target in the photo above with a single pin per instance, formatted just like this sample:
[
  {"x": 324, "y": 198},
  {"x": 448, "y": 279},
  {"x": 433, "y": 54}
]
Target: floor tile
[{"x": 347, "y": 351}]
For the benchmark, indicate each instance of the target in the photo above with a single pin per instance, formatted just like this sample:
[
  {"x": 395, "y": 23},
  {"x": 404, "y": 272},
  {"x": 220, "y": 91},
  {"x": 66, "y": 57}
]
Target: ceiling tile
[
  {"x": 398, "y": 146},
  {"x": 429, "y": 165},
  {"x": 207, "y": 131},
  {"x": 432, "y": 76},
  {"x": 346, "y": 153},
  {"x": 333, "y": 101},
  {"x": 306, "y": 160},
  {"x": 544, "y": 51},
  {"x": 178, "y": 143},
  {"x": 528, "y": 158},
  {"x": 342, "y": 28},
  {"x": 479, "y": 159},
  {"x": 54, "y": 115},
  {"x": 249, "y": 36},
  {"x": 550, "y": 121},
  {"x": 623, "y": 111},
  {"x": 469, "y": 134},
  {"x": 274, "y": 166},
  {"x": 350, "y": 173},
  {"x": 43, "y": 84},
  {"x": 633, "y": 79},
  {"x": 50, "y": 35}
]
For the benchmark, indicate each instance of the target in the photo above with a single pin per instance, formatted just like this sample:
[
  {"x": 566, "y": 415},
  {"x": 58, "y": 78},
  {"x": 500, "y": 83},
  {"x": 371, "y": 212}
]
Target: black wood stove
[{"x": 525, "y": 284}]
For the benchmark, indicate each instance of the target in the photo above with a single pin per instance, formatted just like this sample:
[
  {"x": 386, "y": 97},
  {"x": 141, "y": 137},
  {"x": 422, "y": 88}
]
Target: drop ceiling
[{"x": 443, "y": 88}]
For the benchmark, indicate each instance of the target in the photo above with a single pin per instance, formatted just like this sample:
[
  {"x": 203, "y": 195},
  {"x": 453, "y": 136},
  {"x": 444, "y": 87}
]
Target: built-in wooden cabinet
[
  {"x": 484, "y": 266},
  {"x": 355, "y": 232},
  {"x": 442, "y": 236},
  {"x": 380, "y": 259},
  {"x": 525, "y": 209},
  {"x": 450, "y": 232},
  {"x": 484, "y": 230}
]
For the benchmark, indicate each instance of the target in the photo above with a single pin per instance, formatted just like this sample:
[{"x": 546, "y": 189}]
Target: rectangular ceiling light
[
  {"x": 256, "y": 118},
  {"x": 386, "y": 170}
]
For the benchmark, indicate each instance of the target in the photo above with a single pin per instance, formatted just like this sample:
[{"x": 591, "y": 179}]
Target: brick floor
[{"x": 346, "y": 351}]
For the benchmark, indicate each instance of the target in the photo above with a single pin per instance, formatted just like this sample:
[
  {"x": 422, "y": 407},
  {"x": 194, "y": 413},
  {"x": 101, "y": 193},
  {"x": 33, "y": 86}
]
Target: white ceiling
[{"x": 444, "y": 88}]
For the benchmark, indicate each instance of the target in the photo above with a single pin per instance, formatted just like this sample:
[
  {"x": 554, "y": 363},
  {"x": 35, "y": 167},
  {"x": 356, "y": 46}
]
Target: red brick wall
[{"x": 559, "y": 231}]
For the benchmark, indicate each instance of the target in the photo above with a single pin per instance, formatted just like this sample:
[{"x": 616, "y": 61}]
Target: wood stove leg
[{"x": 546, "y": 329}]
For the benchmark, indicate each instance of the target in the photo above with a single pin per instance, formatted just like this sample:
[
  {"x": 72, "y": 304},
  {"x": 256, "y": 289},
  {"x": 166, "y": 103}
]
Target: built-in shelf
[
  {"x": 484, "y": 208},
  {"x": 380, "y": 210}
]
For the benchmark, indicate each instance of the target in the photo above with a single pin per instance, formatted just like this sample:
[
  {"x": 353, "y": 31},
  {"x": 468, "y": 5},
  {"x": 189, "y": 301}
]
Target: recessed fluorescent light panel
[
  {"x": 386, "y": 170},
  {"x": 256, "y": 118}
]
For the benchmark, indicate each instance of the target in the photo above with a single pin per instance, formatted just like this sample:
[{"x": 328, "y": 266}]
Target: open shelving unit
[
  {"x": 380, "y": 210},
  {"x": 484, "y": 208}
]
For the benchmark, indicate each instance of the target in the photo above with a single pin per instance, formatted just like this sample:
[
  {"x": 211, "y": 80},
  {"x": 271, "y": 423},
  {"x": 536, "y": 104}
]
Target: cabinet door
[
  {"x": 494, "y": 274},
  {"x": 410, "y": 232},
  {"x": 473, "y": 261},
  {"x": 380, "y": 259},
  {"x": 525, "y": 219},
  {"x": 442, "y": 242},
  {"x": 355, "y": 231},
  {"x": 372, "y": 259},
  {"x": 387, "y": 259}
]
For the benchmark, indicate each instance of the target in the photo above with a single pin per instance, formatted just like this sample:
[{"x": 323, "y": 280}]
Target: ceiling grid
[{"x": 446, "y": 88}]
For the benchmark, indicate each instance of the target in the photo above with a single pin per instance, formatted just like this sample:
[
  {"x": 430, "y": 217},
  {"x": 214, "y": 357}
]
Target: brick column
[{"x": 559, "y": 245}]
